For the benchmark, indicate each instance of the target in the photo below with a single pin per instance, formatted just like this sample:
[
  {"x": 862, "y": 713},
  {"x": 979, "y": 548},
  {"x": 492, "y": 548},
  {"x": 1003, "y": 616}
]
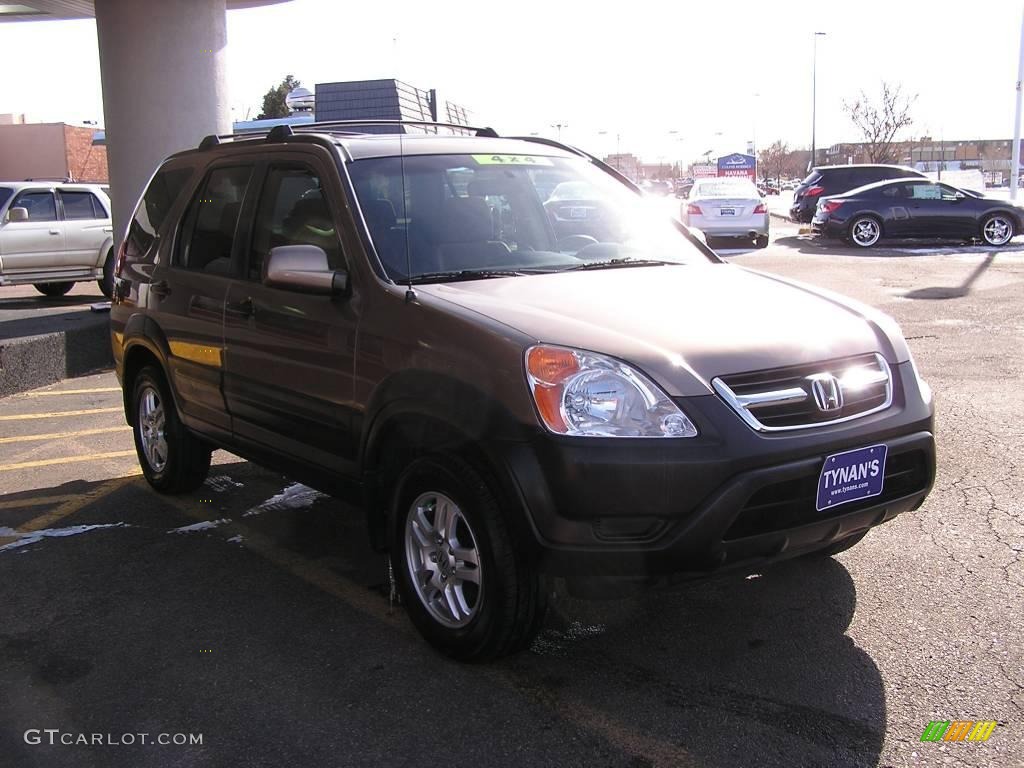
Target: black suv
[
  {"x": 511, "y": 383},
  {"x": 837, "y": 179}
]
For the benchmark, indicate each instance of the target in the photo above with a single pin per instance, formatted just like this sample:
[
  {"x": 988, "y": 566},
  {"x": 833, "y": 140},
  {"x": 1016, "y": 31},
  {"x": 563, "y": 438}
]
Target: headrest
[
  {"x": 380, "y": 214},
  {"x": 465, "y": 220}
]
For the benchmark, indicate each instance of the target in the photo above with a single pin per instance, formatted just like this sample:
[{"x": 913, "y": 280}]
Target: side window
[
  {"x": 40, "y": 205},
  {"x": 209, "y": 229},
  {"x": 163, "y": 190},
  {"x": 293, "y": 210},
  {"x": 81, "y": 205},
  {"x": 948, "y": 193},
  {"x": 925, "y": 191}
]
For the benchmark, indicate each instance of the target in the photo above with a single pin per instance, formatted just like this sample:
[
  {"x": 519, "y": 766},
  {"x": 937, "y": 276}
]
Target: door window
[
  {"x": 209, "y": 229},
  {"x": 925, "y": 192},
  {"x": 40, "y": 205},
  {"x": 293, "y": 210},
  {"x": 81, "y": 205}
]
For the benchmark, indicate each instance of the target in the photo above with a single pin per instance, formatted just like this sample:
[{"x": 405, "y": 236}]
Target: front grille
[
  {"x": 797, "y": 397},
  {"x": 791, "y": 503}
]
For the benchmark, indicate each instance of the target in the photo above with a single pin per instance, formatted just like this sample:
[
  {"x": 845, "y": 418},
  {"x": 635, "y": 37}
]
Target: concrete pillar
[{"x": 163, "y": 66}]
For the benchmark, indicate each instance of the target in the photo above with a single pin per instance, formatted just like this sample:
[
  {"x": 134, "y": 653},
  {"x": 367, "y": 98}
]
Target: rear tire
[
  {"x": 865, "y": 231},
  {"x": 472, "y": 611},
  {"x": 53, "y": 290},
  {"x": 172, "y": 458},
  {"x": 761, "y": 241},
  {"x": 106, "y": 284}
]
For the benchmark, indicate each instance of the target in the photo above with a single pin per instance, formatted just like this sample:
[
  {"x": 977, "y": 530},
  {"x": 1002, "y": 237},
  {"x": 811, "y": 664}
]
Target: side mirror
[
  {"x": 303, "y": 268},
  {"x": 17, "y": 214},
  {"x": 959, "y": 196}
]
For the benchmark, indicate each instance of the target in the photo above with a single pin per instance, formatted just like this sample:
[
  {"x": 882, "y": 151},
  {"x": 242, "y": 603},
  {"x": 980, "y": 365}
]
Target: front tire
[
  {"x": 865, "y": 231},
  {"x": 997, "y": 230},
  {"x": 468, "y": 589},
  {"x": 53, "y": 290},
  {"x": 172, "y": 458}
]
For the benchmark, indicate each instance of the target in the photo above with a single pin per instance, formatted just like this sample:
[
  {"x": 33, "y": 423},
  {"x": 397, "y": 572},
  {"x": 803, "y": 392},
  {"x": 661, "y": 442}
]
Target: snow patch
[
  {"x": 235, "y": 540},
  {"x": 24, "y": 539},
  {"x": 295, "y": 496},
  {"x": 222, "y": 483},
  {"x": 205, "y": 525}
]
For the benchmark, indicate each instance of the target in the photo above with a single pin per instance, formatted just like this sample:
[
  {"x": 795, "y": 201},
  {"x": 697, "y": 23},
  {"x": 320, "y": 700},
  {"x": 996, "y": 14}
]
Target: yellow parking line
[
  {"x": 62, "y": 435},
  {"x": 57, "y": 414},
  {"x": 36, "y": 501},
  {"x": 71, "y": 391},
  {"x": 74, "y": 504},
  {"x": 66, "y": 460}
]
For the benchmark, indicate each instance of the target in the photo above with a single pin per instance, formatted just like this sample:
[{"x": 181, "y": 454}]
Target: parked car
[
  {"x": 727, "y": 208},
  {"x": 790, "y": 184},
  {"x": 54, "y": 234},
  {"x": 507, "y": 401},
  {"x": 837, "y": 179},
  {"x": 916, "y": 208},
  {"x": 656, "y": 187}
]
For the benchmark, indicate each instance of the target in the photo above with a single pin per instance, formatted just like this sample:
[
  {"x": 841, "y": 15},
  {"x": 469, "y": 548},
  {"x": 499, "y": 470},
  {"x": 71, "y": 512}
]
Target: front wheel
[
  {"x": 53, "y": 290},
  {"x": 865, "y": 231},
  {"x": 997, "y": 229},
  {"x": 469, "y": 590},
  {"x": 172, "y": 458}
]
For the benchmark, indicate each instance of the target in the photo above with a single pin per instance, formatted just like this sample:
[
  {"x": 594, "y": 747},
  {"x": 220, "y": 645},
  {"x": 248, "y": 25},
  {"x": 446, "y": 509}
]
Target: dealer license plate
[
  {"x": 726, "y": 211},
  {"x": 851, "y": 476}
]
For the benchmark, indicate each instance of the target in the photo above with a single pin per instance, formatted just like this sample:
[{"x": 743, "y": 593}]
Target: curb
[{"x": 29, "y": 362}]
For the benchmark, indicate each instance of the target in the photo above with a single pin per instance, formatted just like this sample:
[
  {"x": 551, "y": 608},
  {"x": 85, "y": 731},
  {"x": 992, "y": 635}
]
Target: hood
[{"x": 682, "y": 325}]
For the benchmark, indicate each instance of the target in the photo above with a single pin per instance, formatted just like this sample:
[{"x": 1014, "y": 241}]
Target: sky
[{"x": 667, "y": 81}]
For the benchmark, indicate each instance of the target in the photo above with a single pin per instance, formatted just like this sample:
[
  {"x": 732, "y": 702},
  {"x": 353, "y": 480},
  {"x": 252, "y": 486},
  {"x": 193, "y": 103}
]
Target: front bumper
[{"x": 729, "y": 498}]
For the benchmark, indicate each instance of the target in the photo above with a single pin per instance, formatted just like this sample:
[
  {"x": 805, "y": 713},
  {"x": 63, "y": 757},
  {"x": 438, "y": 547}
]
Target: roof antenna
[{"x": 410, "y": 294}]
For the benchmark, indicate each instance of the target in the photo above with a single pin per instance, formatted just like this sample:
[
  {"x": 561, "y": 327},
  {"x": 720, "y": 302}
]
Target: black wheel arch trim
[{"x": 143, "y": 332}]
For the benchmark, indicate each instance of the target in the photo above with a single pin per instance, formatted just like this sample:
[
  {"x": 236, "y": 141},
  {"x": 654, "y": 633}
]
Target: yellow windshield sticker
[{"x": 511, "y": 160}]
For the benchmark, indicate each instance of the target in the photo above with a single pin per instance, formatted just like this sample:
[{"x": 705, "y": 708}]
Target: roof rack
[{"x": 281, "y": 132}]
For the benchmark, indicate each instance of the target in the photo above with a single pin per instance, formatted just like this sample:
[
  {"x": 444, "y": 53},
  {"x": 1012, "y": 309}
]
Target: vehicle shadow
[
  {"x": 956, "y": 291},
  {"x": 735, "y": 671},
  {"x": 899, "y": 249},
  {"x": 49, "y": 302}
]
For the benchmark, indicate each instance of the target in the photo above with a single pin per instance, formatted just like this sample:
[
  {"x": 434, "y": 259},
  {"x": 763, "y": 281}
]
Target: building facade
[
  {"x": 52, "y": 151},
  {"x": 388, "y": 99}
]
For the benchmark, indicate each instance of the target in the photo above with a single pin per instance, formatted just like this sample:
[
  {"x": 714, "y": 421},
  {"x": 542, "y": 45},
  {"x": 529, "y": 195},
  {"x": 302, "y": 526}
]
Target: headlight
[{"x": 590, "y": 395}]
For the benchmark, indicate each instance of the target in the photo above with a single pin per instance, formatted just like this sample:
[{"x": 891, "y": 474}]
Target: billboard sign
[
  {"x": 737, "y": 165},
  {"x": 705, "y": 170}
]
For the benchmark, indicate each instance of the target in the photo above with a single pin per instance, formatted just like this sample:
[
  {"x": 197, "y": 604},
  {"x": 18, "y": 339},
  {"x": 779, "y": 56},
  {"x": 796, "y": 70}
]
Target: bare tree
[
  {"x": 774, "y": 160},
  {"x": 879, "y": 123}
]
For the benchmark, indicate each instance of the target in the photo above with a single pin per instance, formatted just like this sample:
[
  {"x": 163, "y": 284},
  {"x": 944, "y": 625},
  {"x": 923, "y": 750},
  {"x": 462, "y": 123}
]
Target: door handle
[
  {"x": 160, "y": 288},
  {"x": 54, "y": 231},
  {"x": 244, "y": 308}
]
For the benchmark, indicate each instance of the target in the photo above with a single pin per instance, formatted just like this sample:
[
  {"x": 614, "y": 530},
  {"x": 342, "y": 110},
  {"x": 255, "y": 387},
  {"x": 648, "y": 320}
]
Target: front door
[
  {"x": 289, "y": 356},
  {"x": 931, "y": 213},
  {"x": 35, "y": 245}
]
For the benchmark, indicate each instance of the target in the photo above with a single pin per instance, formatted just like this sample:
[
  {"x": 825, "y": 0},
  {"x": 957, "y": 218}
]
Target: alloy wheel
[
  {"x": 865, "y": 232},
  {"x": 152, "y": 420},
  {"x": 997, "y": 230},
  {"x": 443, "y": 560}
]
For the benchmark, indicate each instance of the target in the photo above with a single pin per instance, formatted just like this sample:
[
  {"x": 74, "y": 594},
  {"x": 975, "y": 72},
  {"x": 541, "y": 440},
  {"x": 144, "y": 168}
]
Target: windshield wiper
[
  {"x": 457, "y": 275},
  {"x": 625, "y": 261}
]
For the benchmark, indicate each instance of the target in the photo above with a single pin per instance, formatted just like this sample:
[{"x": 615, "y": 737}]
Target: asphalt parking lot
[{"x": 252, "y": 612}]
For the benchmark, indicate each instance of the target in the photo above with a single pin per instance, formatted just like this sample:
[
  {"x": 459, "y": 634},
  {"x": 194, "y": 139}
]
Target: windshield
[
  {"x": 725, "y": 189},
  {"x": 452, "y": 215}
]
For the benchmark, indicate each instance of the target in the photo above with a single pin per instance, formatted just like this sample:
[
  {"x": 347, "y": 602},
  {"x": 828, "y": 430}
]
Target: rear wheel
[
  {"x": 468, "y": 589},
  {"x": 761, "y": 241},
  {"x": 106, "y": 284},
  {"x": 997, "y": 229},
  {"x": 172, "y": 458},
  {"x": 865, "y": 231},
  {"x": 53, "y": 289}
]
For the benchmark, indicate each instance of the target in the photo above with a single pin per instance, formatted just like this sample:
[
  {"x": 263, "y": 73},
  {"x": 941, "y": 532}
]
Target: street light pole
[
  {"x": 814, "y": 99},
  {"x": 1015, "y": 153}
]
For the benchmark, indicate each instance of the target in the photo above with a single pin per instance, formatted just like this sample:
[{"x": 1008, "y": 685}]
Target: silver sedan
[{"x": 725, "y": 207}]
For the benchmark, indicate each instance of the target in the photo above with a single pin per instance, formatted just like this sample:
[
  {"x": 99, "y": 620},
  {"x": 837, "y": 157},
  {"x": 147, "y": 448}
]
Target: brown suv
[{"x": 509, "y": 384}]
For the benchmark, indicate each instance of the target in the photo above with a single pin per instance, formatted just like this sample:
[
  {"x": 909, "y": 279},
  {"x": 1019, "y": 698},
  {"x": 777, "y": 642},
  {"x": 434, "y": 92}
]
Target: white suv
[{"x": 54, "y": 234}]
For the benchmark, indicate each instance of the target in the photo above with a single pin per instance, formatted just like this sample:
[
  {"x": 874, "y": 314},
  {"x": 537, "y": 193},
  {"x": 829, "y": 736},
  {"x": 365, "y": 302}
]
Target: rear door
[
  {"x": 289, "y": 360},
  {"x": 86, "y": 226},
  {"x": 36, "y": 244},
  {"x": 186, "y": 297}
]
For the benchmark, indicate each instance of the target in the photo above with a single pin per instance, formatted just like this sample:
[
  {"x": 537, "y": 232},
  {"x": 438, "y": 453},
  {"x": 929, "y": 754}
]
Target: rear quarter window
[{"x": 163, "y": 191}]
